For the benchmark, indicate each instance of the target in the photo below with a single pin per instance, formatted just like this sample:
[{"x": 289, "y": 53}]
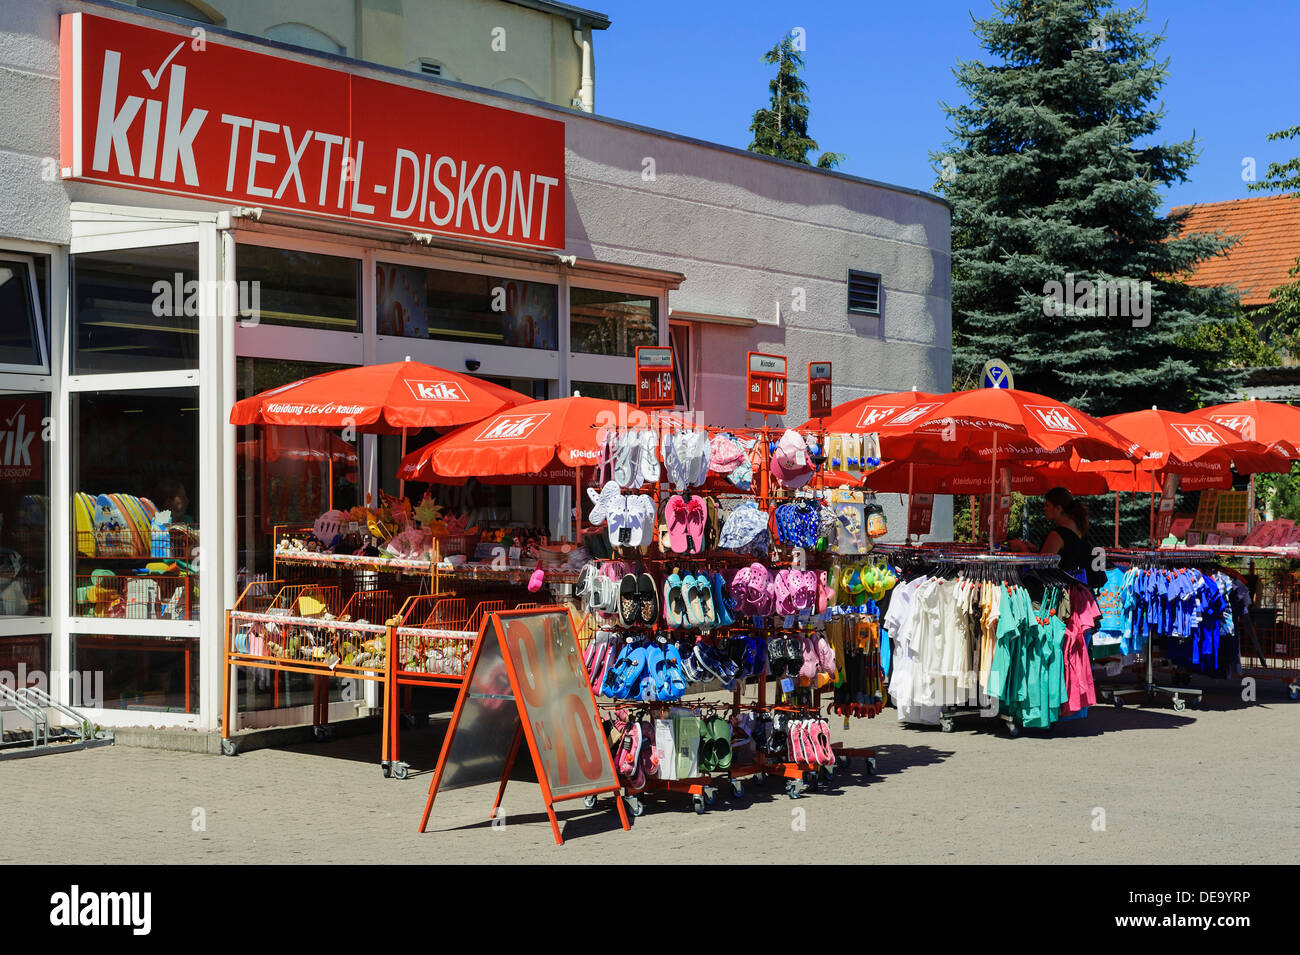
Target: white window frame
[
  {"x": 42, "y": 347},
  {"x": 208, "y": 629}
]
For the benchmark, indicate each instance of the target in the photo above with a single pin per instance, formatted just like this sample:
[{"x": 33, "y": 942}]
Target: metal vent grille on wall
[
  {"x": 430, "y": 68},
  {"x": 864, "y": 293}
]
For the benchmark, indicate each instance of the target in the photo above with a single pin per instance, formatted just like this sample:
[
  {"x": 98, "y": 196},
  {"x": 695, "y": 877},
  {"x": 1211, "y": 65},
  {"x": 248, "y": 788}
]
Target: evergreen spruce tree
[
  {"x": 782, "y": 130},
  {"x": 1054, "y": 170}
]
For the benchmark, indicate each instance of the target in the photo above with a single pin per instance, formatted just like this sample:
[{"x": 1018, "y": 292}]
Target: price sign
[
  {"x": 920, "y": 513},
  {"x": 654, "y": 377},
  {"x": 526, "y": 682},
  {"x": 765, "y": 383},
  {"x": 819, "y": 389}
]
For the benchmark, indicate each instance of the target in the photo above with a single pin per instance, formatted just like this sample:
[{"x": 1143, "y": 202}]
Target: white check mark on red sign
[{"x": 153, "y": 78}]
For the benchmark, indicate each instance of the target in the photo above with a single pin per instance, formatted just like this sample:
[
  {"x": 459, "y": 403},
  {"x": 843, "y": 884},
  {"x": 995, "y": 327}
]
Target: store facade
[{"x": 171, "y": 244}]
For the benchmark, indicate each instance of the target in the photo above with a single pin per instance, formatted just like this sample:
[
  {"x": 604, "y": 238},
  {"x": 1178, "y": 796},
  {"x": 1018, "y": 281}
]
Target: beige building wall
[{"x": 494, "y": 44}]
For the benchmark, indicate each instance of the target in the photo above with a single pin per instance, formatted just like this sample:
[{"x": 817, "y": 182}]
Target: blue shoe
[
  {"x": 721, "y": 607},
  {"x": 651, "y": 683}
]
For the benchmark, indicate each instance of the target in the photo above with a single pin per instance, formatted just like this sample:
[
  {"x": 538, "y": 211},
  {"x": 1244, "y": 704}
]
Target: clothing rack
[{"x": 1149, "y": 560}]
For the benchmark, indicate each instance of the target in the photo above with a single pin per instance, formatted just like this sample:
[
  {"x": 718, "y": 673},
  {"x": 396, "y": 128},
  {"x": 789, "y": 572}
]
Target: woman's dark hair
[{"x": 1077, "y": 510}]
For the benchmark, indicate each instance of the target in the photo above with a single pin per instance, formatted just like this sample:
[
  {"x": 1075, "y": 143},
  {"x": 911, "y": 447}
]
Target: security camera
[{"x": 472, "y": 364}]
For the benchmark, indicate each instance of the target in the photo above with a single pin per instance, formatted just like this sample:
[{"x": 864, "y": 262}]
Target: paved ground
[{"x": 1214, "y": 786}]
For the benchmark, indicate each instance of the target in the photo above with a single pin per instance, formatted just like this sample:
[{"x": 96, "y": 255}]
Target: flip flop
[
  {"x": 697, "y": 514},
  {"x": 675, "y": 517}
]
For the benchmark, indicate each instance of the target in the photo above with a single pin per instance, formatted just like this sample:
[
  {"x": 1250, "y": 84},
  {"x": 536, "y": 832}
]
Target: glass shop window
[
  {"x": 412, "y": 302},
  {"x": 24, "y": 504},
  {"x": 612, "y": 323},
  {"x": 298, "y": 289}
]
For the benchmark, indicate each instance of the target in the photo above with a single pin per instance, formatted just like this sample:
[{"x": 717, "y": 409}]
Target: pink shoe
[
  {"x": 675, "y": 518},
  {"x": 697, "y": 514}
]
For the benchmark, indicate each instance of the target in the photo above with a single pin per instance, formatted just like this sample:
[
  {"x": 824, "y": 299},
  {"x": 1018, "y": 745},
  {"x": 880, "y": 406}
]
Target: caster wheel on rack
[
  {"x": 697, "y": 802},
  {"x": 387, "y": 768},
  {"x": 228, "y": 747},
  {"x": 408, "y": 720},
  {"x": 1293, "y": 692},
  {"x": 1119, "y": 703},
  {"x": 589, "y": 802},
  {"x": 946, "y": 725},
  {"x": 401, "y": 770},
  {"x": 737, "y": 788},
  {"x": 871, "y": 765},
  {"x": 811, "y": 782},
  {"x": 634, "y": 805},
  {"x": 760, "y": 779},
  {"x": 841, "y": 762},
  {"x": 1179, "y": 704},
  {"x": 710, "y": 795},
  {"x": 318, "y": 733},
  {"x": 792, "y": 788},
  {"x": 827, "y": 774}
]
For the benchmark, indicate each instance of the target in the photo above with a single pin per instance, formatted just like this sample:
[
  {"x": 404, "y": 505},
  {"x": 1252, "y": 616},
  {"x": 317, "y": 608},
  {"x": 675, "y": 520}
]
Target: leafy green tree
[
  {"x": 782, "y": 129},
  {"x": 1056, "y": 177}
]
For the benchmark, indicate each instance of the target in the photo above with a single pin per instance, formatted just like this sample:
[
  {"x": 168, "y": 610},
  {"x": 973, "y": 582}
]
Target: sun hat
[{"x": 791, "y": 466}]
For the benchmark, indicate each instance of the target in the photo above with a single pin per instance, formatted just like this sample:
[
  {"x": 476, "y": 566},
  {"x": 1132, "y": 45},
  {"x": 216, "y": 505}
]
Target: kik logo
[
  {"x": 1242, "y": 424},
  {"x": 173, "y": 130},
  {"x": 1198, "y": 434},
  {"x": 1055, "y": 419},
  {"x": 508, "y": 427},
  {"x": 912, "y": 414},
  {"x": 436, "y": 391},
  {"x": 16, "y": 442},
  {"x": 872, "y": 416}
]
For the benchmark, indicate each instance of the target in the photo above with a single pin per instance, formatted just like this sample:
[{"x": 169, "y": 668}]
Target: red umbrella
[
  {"x": 864, "y": 415},
  {"x": 379, "y": 399},
  {"x": 1267, "y": 422},
  {"x": 1173, "y": 441},
  {"x": 545, "y": 436},
  {"x": 998, "y": 424}
]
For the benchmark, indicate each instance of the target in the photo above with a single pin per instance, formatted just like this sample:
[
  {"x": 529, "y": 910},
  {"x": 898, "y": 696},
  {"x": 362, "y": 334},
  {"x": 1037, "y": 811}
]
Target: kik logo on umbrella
[
  {"x": 1198, "y": 434},
  {"x": 912, "y": 414},
  {"x": 1055, "y": 419},
  {"x": 512, "y": 426},
  {"x": 874, "y": 415},
  {"x": 1242, "y": 424},
  {"x": 436, "y": 391}
]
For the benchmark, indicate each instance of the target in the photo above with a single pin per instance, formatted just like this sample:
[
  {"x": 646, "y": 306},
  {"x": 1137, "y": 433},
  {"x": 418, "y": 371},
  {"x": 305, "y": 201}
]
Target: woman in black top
[{"x": 1070, "y": 525}]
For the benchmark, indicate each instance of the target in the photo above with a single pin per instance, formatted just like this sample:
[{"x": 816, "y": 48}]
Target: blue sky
[{"x": 878, "y": 70}]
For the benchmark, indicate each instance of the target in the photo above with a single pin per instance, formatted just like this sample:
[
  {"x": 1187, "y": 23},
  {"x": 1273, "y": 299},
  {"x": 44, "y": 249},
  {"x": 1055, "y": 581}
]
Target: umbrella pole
[
  {"x": 401, "y": 482},
  {"x": 1151, "y": 517},
  {"x": 993, "y": 494},
  {"x": 1117, "y": 520},
  {"x": 911, "y": 468},
  {"x": 577, "y": 503},
  {"x": 1250, "y": 505},
  {"x": 331, "y": 477}
]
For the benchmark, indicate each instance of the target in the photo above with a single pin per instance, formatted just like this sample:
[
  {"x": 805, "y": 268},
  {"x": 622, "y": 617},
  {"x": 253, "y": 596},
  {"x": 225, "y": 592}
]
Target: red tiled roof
[{"x": 1269, "y": 228}]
